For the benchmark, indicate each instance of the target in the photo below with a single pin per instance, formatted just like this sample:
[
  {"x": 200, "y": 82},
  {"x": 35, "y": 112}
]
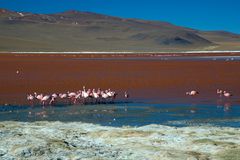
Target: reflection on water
[
  {"x": 133, "y": 114},
  {"x": 224, "y": 103}
]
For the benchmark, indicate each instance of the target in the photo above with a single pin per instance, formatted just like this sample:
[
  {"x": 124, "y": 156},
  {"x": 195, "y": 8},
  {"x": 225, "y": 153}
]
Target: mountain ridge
[{"x": 86, "y": 31}]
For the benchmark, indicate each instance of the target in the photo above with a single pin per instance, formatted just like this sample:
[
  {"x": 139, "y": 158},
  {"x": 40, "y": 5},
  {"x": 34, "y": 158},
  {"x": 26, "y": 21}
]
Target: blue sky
[{"x": 198, "y": 14}]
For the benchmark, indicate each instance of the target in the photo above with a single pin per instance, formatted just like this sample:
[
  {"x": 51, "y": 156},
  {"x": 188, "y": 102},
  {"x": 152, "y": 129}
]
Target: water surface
[{"x": 129, "y": 114}]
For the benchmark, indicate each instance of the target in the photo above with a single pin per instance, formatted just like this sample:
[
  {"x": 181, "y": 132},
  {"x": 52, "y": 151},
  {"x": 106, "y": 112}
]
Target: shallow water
[{"x": 129, "y": 114}]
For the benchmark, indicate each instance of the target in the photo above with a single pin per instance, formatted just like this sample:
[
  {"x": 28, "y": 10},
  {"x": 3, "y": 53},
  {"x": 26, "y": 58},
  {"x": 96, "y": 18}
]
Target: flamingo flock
[
  {"x": 93, "y": 96},
  {"x": 220, "y": 92},
  {"x": 84, "y": 96}
]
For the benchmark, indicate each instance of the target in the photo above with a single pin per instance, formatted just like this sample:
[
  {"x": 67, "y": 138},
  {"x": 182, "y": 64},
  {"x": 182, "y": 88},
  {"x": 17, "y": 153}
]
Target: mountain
[{"x": 86, "y": 31}]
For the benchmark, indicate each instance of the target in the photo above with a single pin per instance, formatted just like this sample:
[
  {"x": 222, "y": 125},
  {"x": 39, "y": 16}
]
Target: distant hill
[{"x": 85, "y": 31}]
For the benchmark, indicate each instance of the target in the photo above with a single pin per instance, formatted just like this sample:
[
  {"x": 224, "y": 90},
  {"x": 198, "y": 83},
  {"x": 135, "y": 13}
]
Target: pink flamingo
[
  {"x": 85, "y": 94},
  {"x": 63, "y": 96},
  {"x": 38, "y": 96},
  {"x": 219, "y": 91},
  {"x": 78, "y": 96},
  {"x": 44, "y": 99},
  {"x": 109, "y": 92},
  {"x": 90, "y": 94},
  {"x": 71, "y": 96},
  {"x": 104, "y": 96},
  {"x": 95, "y": 95},
  {"x": 126, "y": 95},
  {"x": 112, "y": 95},
  {"x": 54, "y": 95},
  {"x": 99, "y": 91},
  {"x": 30, "y": 98},
  {"x": 227, "y": 94},
  {"x": 192, "y": 93},
  {"x": 53, "y": 98}
]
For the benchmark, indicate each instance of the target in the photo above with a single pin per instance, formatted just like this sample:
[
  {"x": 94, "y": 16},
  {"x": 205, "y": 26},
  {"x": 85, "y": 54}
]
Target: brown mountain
[{"x": 85, "y": 31}]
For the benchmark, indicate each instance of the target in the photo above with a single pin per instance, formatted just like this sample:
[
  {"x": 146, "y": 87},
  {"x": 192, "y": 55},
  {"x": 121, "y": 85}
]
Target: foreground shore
[{"x": 76, "y": 140}]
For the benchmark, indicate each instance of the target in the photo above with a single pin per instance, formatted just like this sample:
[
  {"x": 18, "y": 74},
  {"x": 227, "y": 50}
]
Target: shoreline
[
  {"x": 121, "y": 55},
  {"x": 118, "y": 52},
  {"x": 76, "y": 140}
]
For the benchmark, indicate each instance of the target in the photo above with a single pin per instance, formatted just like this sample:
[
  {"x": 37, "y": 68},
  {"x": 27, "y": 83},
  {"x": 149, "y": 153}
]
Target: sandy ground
[
  {"x": 143, "y": 79},
  {"x": 56, "y": 140}
]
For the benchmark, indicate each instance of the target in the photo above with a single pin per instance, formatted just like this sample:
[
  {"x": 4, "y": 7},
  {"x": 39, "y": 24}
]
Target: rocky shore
[{"x": 76, "y": 140}]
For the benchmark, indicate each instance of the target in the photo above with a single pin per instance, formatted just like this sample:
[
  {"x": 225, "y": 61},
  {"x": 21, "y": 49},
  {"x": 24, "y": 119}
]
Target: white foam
[{"x": 117, "y": 52}]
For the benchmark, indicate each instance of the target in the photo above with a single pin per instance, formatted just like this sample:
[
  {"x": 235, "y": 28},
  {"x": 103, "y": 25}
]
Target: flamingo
[
  {"x": 220, "y": 92},
  {"x": 44, "y": 99},
  {"x": 85, "y": 94},
  {"x": 104, "y": 95},
  {"x": 95, "y": 95},
  {"x": 90, "y": 94},
  {"x": 99, "y": 91},
  {"x": 109, "y": 92},
  {"x": 30, "y": 98},
  {"x": 54, "y": 95},
  {"x": 71, "y": 96},
  {"x": 192, "y": 93},
  {"x": 112, "y": 95},
  {"x": 126, "y": 95},
  {"x": 38, "y": 96},
  {"x": 78, "y": 96},
  {"x": 52, "y": 100},
  {"x": 63, "y": 96},
  {"x": 227, "y": 94}
]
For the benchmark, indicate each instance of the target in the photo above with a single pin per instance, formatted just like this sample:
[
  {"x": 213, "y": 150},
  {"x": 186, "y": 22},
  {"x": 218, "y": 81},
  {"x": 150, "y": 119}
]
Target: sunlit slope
[{"x": 84, "y": 31}]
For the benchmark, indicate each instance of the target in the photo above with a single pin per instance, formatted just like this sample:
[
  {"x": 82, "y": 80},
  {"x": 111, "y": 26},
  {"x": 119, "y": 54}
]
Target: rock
[
  {"x": 76, "y": 140},
  {"x": 2, "y": 152}
]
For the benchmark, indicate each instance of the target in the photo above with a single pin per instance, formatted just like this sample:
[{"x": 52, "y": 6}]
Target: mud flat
[{"x": 76, "y": 140}]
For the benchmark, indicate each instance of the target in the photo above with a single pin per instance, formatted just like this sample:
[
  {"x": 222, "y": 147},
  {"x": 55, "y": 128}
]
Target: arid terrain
[
  {"x": 86, "y": 31},
  {"x": 76, "y": 140}
]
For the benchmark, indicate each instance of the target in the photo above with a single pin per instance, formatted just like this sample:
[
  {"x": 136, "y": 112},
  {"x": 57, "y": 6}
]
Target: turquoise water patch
[{"x": 128, "y": 114}]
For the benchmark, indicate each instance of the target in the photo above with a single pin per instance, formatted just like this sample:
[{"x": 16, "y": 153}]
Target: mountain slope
[{"x": 85, "y": 31}]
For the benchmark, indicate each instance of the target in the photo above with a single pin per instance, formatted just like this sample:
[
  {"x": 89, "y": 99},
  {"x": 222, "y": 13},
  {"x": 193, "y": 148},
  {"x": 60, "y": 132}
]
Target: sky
[{"x": 199, "y": 14}]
